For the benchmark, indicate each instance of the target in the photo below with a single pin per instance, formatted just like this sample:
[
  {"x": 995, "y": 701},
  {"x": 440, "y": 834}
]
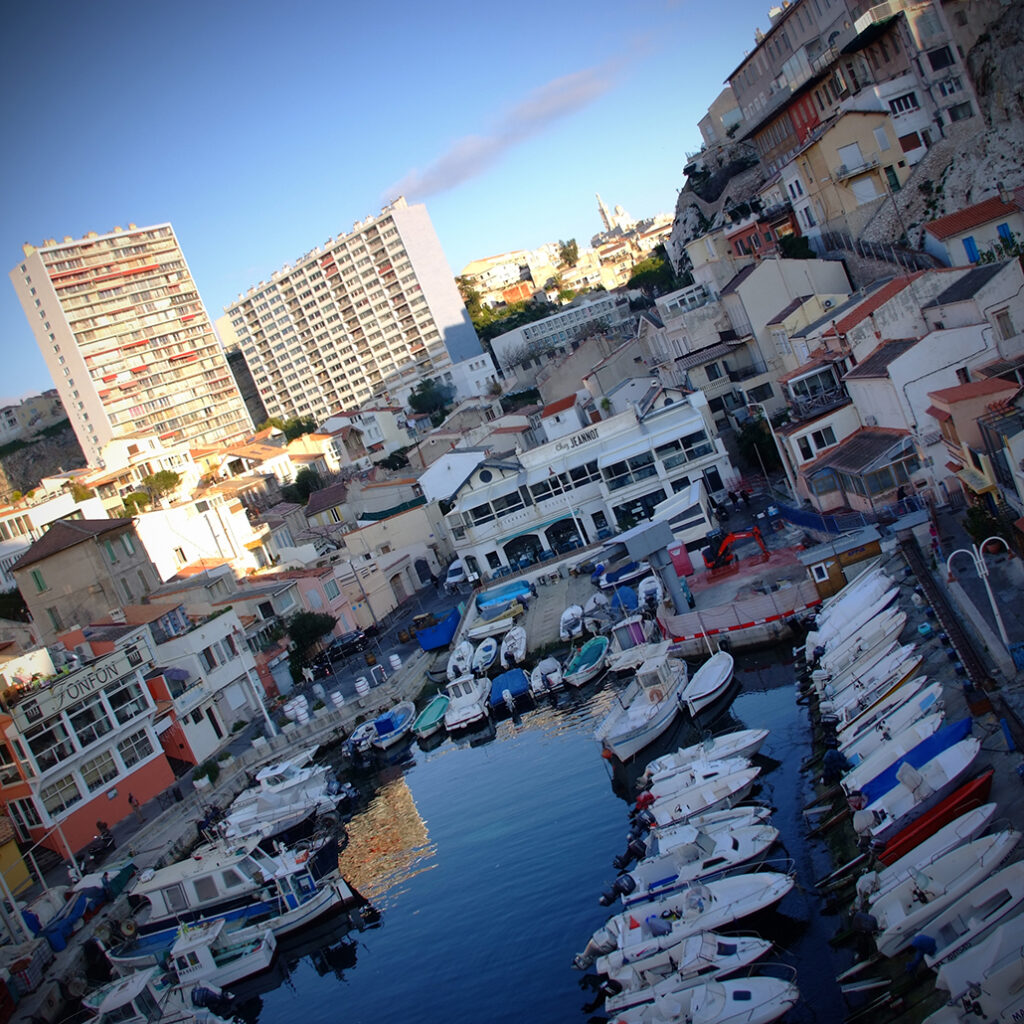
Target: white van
[{"x": 456, "y": 573}]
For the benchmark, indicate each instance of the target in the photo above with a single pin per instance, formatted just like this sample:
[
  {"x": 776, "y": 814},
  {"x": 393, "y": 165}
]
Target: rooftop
[
  {"x": 974, "y": 389},
  {"x": 860, "y": 451},
  {"x": 67, "y": 533},
  {"x": 974, "y": 216},
  {"x": 876, "y": 363},
  {"x": 967, "y": 286}
]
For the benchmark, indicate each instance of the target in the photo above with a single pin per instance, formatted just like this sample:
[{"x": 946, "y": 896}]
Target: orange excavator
[{"x": 719, "y": 555}]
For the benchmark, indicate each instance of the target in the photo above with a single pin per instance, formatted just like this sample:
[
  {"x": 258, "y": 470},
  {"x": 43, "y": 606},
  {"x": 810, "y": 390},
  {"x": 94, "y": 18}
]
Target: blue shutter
[
  {"x": 971, "y": 249},
  {"x": 1005, "y": 233}
]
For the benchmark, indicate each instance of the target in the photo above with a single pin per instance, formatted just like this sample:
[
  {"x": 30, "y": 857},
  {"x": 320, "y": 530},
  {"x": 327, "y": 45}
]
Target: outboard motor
[
  {"x": 644, "y": 819},
  {"x": 634, "y": 851},
  {"x": 622, "y": 886},
  {"x": 205, "y": 997}
]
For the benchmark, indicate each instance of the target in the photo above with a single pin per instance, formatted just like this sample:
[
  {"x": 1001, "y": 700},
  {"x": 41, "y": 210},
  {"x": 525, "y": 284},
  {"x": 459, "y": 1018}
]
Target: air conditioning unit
[{"x": 828, "y": 304}]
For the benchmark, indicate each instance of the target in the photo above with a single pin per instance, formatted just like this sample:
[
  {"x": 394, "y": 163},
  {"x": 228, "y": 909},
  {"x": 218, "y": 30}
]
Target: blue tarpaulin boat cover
[
  {"x": 433, "y": 638},
  {"x": 515, "y": 680},
  {"x": 920, "y": 755}
]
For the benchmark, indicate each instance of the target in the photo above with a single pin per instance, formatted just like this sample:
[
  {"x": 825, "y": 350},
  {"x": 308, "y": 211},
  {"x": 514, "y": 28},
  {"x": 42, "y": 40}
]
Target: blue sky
[{"x": 261, "y": 130}]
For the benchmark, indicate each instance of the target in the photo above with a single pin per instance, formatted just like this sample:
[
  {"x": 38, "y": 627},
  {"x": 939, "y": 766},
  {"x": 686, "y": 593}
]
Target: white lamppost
[
  {"x": 778, "y": 449},
  {"x": 976, "y": 553}
]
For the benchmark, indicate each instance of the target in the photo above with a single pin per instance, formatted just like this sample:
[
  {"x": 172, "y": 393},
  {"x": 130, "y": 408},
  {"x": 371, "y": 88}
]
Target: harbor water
[{"x": 485, "y": 860}]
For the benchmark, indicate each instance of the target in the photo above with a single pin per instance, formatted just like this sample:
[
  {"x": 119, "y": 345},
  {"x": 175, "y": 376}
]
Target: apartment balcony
[
  {"x": 808, "y": 406},
  {"x": 747, "y": 372},
  {"x": 843, "y": 171}
]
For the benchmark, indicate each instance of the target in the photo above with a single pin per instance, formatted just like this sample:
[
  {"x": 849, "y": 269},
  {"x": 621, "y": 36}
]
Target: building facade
[
  {"x": 127, "y": 339},
  {"x": 367, "y": 313}
]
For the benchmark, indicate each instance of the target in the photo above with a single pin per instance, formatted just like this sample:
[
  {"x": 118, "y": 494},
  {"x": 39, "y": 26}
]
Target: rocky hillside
[{"x": 21, "y": 470}]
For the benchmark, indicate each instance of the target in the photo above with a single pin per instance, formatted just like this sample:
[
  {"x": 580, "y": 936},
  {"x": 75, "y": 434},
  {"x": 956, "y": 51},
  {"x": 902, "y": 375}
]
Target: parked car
[{"x": 346, "y": 644}]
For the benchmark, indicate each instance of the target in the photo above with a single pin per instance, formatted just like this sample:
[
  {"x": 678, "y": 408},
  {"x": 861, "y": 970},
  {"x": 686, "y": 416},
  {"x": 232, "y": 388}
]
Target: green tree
[
  {"x": 430, "y": 397},
  {"x": 654, "y": 275},
  {"x": 757, "y": 446},
  {"x": 292, "y": 428},
  {"x": 306, "y": 482},
  {"x": 305, "y": 629},
  {"x": 795, "y": 247},
  {"x": 568, "y": 253},
  {"x": 135, "y": 502},
  {"x": 79, "y": 491},
  {"x": 161, "y": 483}
]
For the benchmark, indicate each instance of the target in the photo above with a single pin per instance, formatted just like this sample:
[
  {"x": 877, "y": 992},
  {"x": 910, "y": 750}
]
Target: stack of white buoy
[
  {"x": 396, "y": 662},
  {"x": 338, "y": 699},
  {"x": 297, "y": 709},
  {"x": 362, "y": 686}
]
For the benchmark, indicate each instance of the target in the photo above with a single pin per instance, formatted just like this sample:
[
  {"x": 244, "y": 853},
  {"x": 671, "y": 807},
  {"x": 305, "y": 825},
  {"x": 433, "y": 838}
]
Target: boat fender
[
  {"x": 655, "y": 695},
  {"x": 128, "y": 927},
  {"x": 645, "y": 799},
  {"x": 302, "y": 856},
  {"x": 863, "y": 821}
]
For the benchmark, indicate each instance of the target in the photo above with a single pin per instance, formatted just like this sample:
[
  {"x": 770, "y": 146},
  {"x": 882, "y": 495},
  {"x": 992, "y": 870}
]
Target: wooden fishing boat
[
  {"x": 587, "y": 663},
  {"x": 431, "y": 719}
]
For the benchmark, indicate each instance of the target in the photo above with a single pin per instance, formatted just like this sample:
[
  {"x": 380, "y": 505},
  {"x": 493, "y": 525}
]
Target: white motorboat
[
  {"x": 724, "y": 791},
  {"x": 862, "y": 591},
  {"x": 963, "y": 829},
  {"x": 888, "y": 751},
  {"x": 698, "y": 958},
  {"x": 597, "y": 616},
  {"x": 707, "y": 684},
  {"x": 849, "y": 618},
  {"x": 546, "y": 676},
  {"x": 484, "y": 656},
  {"x": 738, "y": 743},
  {"x": 664, "y": 840},
  {"x": 675, "y": 785},
  {"x": 649, "y": 593},
  {"x": 917, "y": 792},
  {"x": 394, "y": 725},
  {"x": 570, "y": 626},
  {"x": 854, "y": 649},
  {"x": 885, "y": 663},
  {"x": 865, "y": 697},
  {"x": 759, "y": 999},
  {"x": 986, "y": 981},
  {"x": 910, "y": 906},
  {"x": 285, "y": 795},
  {"x": 635, "y": 934},
  {"x": 496, "y": 620},
  {"x": 467, "y": 702},
  {"x": 708, "y": 855},
  {"x": 147, "y": 997},
  {"x": 209, "y": 954},
  {"x": 644, "y": 710},
  {"x": 513, "y": 647},
  {"x": 912, "y": 701},
  {"x": 460, "y": 661},
  {"x": 977, "y": 914}
]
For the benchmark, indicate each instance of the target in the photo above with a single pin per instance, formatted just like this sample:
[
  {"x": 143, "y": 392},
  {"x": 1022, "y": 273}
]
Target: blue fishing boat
[
  {"x": 515, "y": 682},
  {"x": 927, "y": 749},
  {"x": 435, "y": 637}
]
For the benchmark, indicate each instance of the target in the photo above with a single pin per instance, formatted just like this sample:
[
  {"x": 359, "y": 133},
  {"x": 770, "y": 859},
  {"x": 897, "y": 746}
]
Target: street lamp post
[{"x": 976, "y": 553}]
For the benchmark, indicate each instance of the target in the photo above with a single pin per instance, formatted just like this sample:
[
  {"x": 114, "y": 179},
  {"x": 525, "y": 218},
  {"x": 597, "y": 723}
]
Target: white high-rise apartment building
[
  {"x": 127, "y": 339},
  {"x": 368, "y": 313}
]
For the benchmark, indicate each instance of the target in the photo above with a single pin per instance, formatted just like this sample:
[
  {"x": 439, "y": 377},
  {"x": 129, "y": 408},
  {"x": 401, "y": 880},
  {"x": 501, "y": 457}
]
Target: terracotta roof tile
[
  {"x": 971, "y": 217},
  {"x": 67, "y": 533}
]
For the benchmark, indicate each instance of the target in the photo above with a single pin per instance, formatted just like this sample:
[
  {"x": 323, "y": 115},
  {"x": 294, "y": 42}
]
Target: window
[
  {"x": 111, "y": 555},
  {"x": 1004, "y": 232},
  {"x": 910, "y": 142},
  {"x": 971, "y": 249},
  {"x": 134, "y": 748},
  {"x": 55, "y": 620},
  {"x": 128, "y": 544},
  {"x": 127, "y": 701},
  {"x": 961, "y": 112},
  {"x": 331, "y": 590},
  {"x": 762, "y": 393},
  {"x": 713, "y": 370},
  {"x": 881, "y": 139},
  {"x": 806, "y": 451},
  {"x": 37, "y": 579},
  {"x": 60, "y": 795},
  {"x": 823, "y": 438},
  {"x": 904, "y": 104},
  {"x": 1004, "y": 324},
  {"x": 49, "y": 743},
  {"x": 99, "y": 771},
  {"x": 89, "y": 720},
  {"x": 940, "y": 58},
  {"x": 820, "y": 573},
  {"x": 8, "y": 768}
]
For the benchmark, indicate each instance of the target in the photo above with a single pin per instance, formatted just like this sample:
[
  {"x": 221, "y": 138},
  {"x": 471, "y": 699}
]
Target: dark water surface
[{"x": 486, "y": 862}]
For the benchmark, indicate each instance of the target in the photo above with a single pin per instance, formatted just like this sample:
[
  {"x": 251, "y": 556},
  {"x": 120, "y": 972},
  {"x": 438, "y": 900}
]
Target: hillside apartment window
[
  {"x": 904, "y": 104},
  {"x": 1004, "y": 324},
  {"x": 331, "y": 590},
  {"x": 128, "y": 545},
  {"x": 111, "y": 554},
  {"x": 37, "y": 579},
  {"x": 127, "y": 701},
  {"x": 940, "y": 58}
]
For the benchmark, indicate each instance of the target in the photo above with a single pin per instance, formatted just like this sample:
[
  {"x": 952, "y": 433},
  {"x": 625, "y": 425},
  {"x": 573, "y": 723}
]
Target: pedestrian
[
  {"x": 745, "y": 495},
  {"x": 435, "y": 579},
  {"x": 135, "y": 806},
  {"x": 734, "y": 498}
]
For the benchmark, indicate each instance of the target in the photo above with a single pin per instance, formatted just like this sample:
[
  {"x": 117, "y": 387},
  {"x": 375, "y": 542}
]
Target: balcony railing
[
  {"x": 844, "y": 171},
  {"x": 746, "y": 372},
  {"x": 804, "y": 407}
]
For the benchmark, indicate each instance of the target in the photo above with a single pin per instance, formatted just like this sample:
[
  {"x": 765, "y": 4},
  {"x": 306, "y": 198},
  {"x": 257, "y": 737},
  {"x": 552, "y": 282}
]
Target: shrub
[{"x": 207, "y": 770}]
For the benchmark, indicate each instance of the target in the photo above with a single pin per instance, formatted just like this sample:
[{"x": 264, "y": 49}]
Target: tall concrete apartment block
[
  {"x": 127, "y": 339},
  {"x": 370, "y": 312}
]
